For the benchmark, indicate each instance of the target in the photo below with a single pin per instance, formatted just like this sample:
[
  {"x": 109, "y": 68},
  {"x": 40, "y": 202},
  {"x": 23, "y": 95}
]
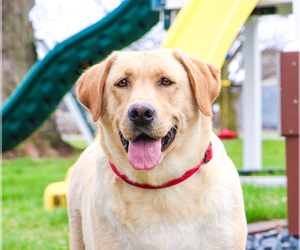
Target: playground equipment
[
  {"x": 206, "y": 29},
  {"x": 70, "y": 100},
  {"x": 55, "y": 193},
  {"x": 49, "y": 80}
]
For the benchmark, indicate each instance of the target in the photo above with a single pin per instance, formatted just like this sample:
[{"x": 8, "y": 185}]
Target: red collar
[{"x": 207, "y": 157}]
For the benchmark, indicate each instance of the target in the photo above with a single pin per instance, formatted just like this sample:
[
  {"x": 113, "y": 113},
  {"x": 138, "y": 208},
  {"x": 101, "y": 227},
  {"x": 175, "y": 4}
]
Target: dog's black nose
[{"x": 141, "y": 113}]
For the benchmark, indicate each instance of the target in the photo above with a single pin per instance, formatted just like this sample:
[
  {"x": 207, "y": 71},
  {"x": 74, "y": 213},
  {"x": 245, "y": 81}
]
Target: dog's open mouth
[
  {"x": 144, "y": 152},
  {"x": 166, "y": 141}
]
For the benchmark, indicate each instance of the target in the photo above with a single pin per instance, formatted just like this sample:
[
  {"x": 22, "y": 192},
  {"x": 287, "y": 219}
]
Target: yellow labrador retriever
[{"x": 158, "y": 178}]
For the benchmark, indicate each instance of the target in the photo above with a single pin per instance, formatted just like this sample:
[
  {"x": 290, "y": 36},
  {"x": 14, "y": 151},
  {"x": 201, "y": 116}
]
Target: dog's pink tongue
[{"x": 144, "y": 153}]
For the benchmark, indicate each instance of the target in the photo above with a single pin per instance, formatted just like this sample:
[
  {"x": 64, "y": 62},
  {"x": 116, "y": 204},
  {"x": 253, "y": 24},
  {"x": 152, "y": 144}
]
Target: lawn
[
  {"x": 26, "y": 225},
  {"x": 273, "y": 152}
]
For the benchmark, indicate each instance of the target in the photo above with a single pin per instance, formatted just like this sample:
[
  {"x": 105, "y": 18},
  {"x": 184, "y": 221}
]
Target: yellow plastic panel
[{"x": 207, "y": 28}]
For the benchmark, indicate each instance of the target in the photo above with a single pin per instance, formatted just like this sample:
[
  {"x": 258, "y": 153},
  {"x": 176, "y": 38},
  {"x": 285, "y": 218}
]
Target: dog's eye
[
  {"x": 122, "y": 83},
  {"x": 165, "y": 81}
]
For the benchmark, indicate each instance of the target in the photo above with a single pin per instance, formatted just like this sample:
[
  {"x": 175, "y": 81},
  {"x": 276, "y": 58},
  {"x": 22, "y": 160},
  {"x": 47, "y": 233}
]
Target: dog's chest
[
  {"x": 163, "y": 236},
  {"x": 152, "y": 222},
  {"x": 158, "y": 236}
]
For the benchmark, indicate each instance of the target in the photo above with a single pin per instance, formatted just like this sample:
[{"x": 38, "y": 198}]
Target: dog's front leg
[{"x": 76, "y": 237}]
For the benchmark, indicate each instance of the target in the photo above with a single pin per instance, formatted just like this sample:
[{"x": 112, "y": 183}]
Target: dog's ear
[
  {"x": 90, "y": 85},
  {"x": 204, "y": 78}
]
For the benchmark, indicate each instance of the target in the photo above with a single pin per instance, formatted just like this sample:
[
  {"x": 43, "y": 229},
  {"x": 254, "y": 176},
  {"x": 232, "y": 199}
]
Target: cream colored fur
[{"x": 206, "y": 211}]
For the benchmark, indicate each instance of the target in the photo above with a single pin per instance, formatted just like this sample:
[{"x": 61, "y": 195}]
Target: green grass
[
  {"x": 273, "y": 152},
  {"x": 265, "y": 203},
  {"x": 26, "y": 225}
]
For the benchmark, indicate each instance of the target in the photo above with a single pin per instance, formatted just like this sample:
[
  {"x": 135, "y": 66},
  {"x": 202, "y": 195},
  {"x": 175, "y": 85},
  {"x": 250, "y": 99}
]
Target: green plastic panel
[{"x": 49, "y": 80}]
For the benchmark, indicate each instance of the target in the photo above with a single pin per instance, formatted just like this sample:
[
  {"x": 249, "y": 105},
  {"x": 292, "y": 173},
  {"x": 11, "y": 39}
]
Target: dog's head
[{"x": 153, "y": 107}]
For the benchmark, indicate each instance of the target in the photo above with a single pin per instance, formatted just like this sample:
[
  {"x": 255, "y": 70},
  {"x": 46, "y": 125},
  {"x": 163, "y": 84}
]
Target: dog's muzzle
[{"x": 144, "y": 151}]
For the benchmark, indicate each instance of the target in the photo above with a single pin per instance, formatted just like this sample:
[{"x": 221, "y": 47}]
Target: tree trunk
[{"x": 18, "y": 55}]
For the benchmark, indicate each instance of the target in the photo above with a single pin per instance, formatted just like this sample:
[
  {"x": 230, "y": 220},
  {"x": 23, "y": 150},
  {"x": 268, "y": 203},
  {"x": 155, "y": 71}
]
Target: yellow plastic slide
[{"x": 207, "y": 28}]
